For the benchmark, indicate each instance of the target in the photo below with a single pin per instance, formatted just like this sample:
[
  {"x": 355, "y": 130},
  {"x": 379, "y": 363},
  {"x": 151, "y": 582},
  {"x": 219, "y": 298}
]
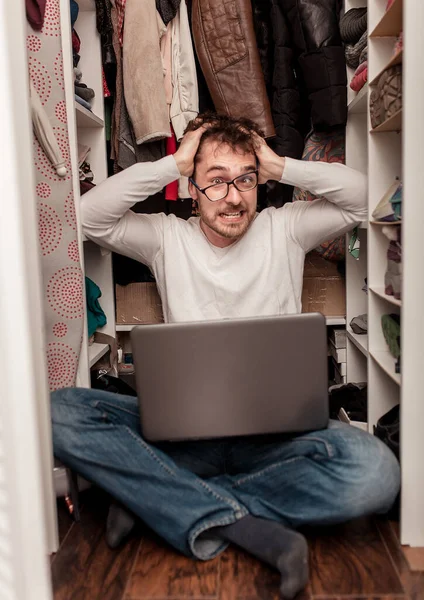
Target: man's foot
[
  {"x": 120, "y": 522},
  {"x": 280, "y": 547}
]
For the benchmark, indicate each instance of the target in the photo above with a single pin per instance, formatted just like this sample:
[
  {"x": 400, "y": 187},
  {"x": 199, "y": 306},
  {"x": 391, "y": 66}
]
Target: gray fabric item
[
  {"x": 44, "y": 133},
  {"x": 353, "y": 25},
  {"x": 85, "y": 93},
  {"x": 359, "y": 324},
  {"x": 354, "y": 51},
  {"x": 364, "y": 55},
  {"x": 129, "y": 151},
  {"x": 280, "y": 547},
  {"x": 167, "y": 9}
]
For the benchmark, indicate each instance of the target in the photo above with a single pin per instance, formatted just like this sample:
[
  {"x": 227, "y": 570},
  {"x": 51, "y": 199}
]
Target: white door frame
[{"x": 28, "y": 522}]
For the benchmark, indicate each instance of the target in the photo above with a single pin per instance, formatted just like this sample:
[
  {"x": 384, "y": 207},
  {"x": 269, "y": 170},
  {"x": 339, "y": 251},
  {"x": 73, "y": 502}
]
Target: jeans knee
[{"x": 376, "y": 477}]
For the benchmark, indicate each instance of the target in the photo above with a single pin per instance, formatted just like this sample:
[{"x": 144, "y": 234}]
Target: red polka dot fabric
[{"x": 57, "y": 225}]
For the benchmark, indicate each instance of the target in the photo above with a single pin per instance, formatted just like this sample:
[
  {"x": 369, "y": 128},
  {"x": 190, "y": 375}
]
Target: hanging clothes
[
  {"x": 142, "y": 71},
  {"x": 185, "y": 95},
  {"x": 226, "y": 47}
]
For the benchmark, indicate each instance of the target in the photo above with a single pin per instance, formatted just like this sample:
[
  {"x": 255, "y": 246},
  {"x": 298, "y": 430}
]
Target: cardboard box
[
  {"x": 324, "y": 288},
  {"x": 138, "y": 304}
]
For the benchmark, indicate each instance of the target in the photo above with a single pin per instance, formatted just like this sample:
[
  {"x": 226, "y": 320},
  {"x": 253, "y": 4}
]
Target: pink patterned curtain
[{"x": 62, "y": 273}]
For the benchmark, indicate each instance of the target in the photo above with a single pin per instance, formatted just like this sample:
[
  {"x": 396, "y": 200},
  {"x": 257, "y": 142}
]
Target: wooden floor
[{"x": 360, "y": 560}]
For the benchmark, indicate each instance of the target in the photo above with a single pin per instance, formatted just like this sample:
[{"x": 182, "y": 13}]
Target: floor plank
[
  {"x": 245, "y": 578},
  {"x": 160, "y": 572},
  {"x": 351, "y": 559},
  {"x": 412, "y": 582},
  {"x": 85, "y": 568}
]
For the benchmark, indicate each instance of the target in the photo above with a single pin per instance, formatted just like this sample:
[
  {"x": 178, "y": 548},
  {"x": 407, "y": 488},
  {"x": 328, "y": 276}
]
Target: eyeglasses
[{"x": 218, "y": 191}]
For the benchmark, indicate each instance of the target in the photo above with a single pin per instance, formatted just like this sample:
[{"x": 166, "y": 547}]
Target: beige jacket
[
  {"x": 143, "y": 73},
  {"x": 185, "y": 95}
]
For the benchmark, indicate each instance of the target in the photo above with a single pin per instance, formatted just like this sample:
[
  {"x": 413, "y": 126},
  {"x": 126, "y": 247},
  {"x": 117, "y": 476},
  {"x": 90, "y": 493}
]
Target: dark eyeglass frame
[{"x": 228, "y": 183}]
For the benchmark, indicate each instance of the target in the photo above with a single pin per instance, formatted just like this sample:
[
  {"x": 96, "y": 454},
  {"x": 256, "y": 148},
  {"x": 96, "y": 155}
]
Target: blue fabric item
[
  {"x": 74, "y": 12},
  {"x": 83, "y": 102},
  {"x": 95, "y": 316},
  {"x": 183, "y": 489}
]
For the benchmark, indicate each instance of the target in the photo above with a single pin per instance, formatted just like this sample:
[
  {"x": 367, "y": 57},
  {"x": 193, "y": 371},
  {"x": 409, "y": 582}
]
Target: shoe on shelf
[{"x": 391, "y": 331}]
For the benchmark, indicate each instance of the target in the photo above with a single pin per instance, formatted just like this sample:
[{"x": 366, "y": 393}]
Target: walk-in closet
[{"x": 93, "y": 87}]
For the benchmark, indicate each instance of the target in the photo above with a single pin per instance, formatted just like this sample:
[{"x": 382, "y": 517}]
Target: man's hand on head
[
  {"x": 271, "y": 166},
  {"x": 184, "y": 156}
]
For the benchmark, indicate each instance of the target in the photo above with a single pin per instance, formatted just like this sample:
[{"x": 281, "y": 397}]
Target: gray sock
[{"x": 271, "y": 542}]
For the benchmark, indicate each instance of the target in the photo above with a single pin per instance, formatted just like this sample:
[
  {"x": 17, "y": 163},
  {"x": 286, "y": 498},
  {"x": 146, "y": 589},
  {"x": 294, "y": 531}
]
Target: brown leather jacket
[{"x": 227, "y": 51}]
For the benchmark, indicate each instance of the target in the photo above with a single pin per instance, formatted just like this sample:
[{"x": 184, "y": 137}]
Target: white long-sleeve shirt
[{"x": 260, "y": 274}]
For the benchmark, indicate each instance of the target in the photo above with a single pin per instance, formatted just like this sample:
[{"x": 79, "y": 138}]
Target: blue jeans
[{"x": 183, "y": 490}]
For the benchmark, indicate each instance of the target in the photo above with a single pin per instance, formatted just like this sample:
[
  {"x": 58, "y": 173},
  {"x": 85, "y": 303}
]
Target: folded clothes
[
  {"x": 354, "y": 51},
  {"x": 82, "y": 102},
  {"x": 358, "y": 81},
  {"x": 390, "y": 206},
  {"x": 353, "y": 25},
  {"x": 362, "y": 65},
  {"x": 85, "y": 93}
]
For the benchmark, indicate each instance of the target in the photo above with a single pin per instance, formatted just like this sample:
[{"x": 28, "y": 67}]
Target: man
[{"x": 230, "y": 262}]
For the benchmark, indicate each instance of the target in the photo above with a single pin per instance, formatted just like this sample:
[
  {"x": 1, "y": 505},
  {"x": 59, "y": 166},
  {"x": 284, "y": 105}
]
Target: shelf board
[
  {"x": 363, "y": 225},
  {"x": 386, "y": 361},
  {"x": 392, "y": 124},
  {"x": 95, "y": 352},
  {"x": 127, "y": 327},
  {"x": 379, "y": 291},
  {"x": 391, "y": 23},
  {"x": 360, "y": 341},
  {"x": 395, "y": 60},
  {"x": 382, "y": 223},
  {"x": 85, "y": 118},
  {"x": 359, "y": 103},
  {"x": 335, "y": 321}
]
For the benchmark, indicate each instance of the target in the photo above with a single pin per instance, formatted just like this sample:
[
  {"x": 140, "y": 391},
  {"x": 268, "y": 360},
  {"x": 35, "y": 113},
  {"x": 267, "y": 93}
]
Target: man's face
[{"x": 226, "y": 220}]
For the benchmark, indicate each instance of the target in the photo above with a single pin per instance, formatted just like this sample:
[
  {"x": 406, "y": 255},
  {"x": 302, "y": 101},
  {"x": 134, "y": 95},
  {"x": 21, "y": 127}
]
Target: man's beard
[{"x": 229, "y": 230}]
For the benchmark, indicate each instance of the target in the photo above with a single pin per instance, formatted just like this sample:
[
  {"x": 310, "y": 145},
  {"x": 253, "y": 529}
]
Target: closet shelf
[
  {"x": 392, "y": 124},
  {"x": 384, "y": 223},
  {"x": 391, "y": 23},
  {"x": 86, "y": 118},
  {"x": 360, "y": 341},
  {"x": 380, "y": 291},
  {"x": 395, "y": 60},
  {"x": 126, "y": 327},
  {"x": 95, "y": 352},
  {"x": 363, "y": 225},
  {"x": 359, "y": 103},
  {"x": 387, "y": 363}
]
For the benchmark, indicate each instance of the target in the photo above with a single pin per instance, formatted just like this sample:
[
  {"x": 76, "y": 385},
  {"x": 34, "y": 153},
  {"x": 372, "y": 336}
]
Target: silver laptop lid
[{"x": 231, "y": 377}]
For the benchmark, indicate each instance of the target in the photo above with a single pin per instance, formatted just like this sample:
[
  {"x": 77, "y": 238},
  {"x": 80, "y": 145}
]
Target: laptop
[{"x": 232, "y": 377}]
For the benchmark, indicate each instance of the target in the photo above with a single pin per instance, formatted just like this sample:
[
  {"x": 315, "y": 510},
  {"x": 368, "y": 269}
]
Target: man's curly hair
[{"x": 236, "y": 133}]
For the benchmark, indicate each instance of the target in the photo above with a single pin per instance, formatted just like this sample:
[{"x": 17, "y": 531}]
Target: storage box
[
  {"x": 138, "y": 304},
  {"x": 324, "y": 287},
  {"x": 339, "y": 354},
  {"x": 338, "y": 336},
  {"x": 341, "y": 367}
]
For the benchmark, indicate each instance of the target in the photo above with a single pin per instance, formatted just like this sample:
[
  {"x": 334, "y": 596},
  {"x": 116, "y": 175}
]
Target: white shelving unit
[
  {"x": 390, "y": 150},
  {"x": 87, "y": 127}
]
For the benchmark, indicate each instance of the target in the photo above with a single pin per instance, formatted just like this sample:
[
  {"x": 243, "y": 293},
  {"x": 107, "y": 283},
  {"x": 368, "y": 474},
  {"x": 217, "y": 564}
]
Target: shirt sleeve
[
  {"x": 108, "y": 220},
  {"x": 344, "y": 205}
]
